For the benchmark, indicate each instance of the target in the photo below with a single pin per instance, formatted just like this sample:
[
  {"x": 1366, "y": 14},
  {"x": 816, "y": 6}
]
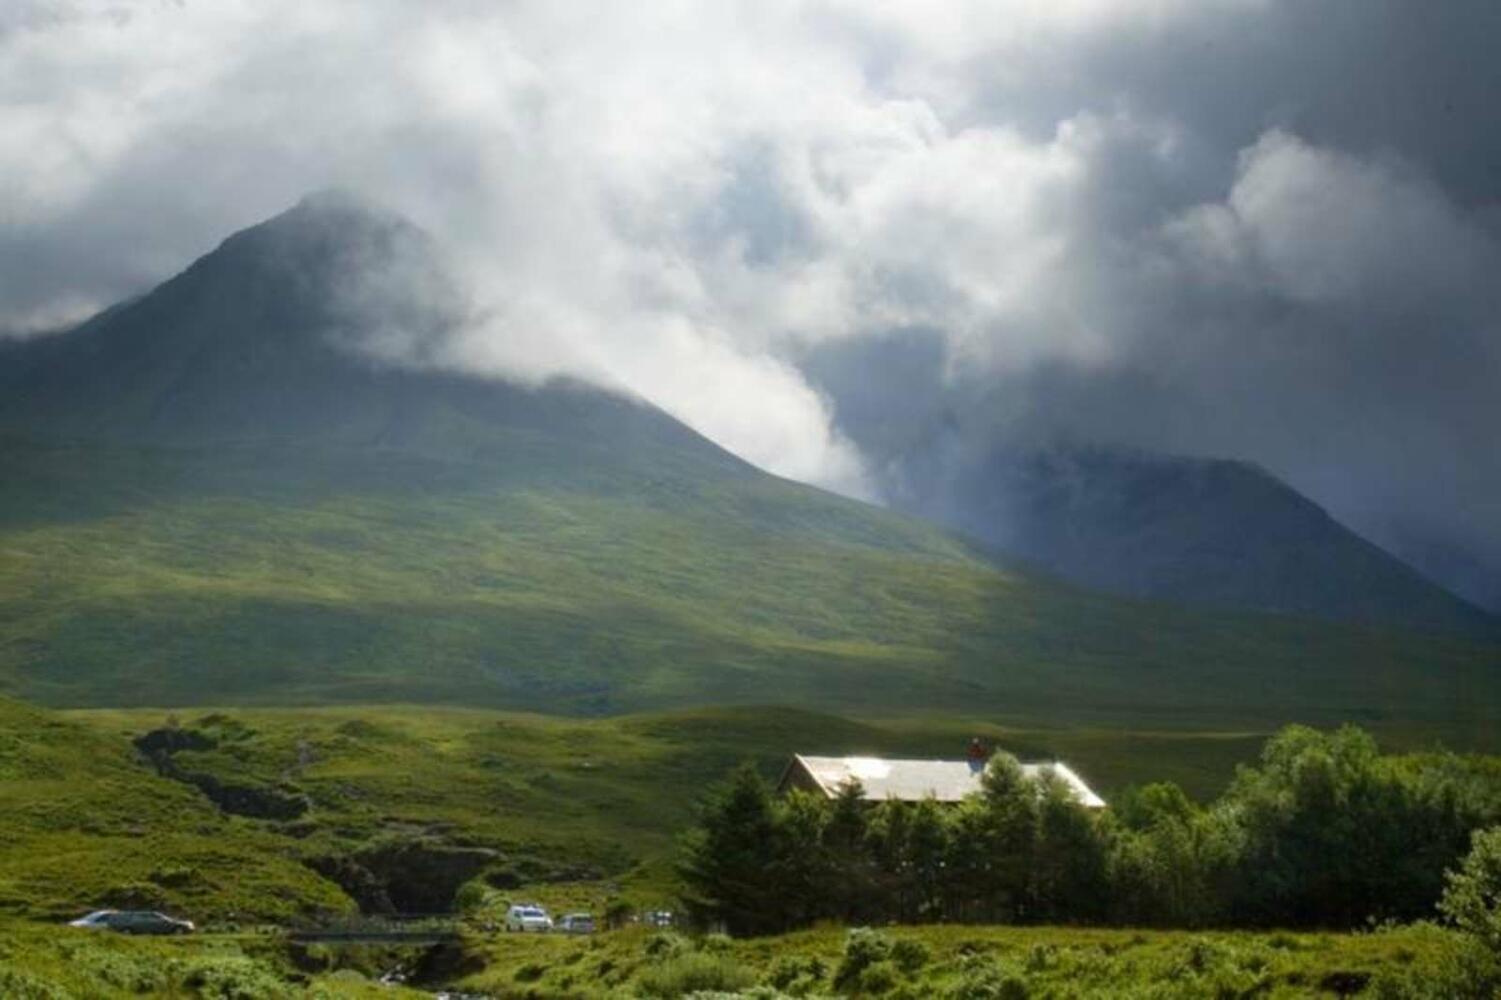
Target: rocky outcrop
[
  {"x": 255, "y": 801},
  {"x": 405, "y": 876}
]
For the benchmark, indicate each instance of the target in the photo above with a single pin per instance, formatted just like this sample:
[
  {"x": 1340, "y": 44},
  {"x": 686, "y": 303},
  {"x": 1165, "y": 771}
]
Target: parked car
[
  {"x": 657, "y": 918},
  {"x": 528, "y": 917},
  {"x": 577, "y": 923},
  {"x": 133, "y": 922}
]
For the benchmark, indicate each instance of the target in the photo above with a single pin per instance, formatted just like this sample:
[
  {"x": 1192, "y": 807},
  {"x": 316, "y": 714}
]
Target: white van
[{"x": 525, "y": 917}]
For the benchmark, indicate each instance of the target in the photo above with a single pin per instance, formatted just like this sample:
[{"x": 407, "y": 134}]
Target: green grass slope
[
  {"x": 83, "y": 824},
  {"x": 283, "y": 575}
]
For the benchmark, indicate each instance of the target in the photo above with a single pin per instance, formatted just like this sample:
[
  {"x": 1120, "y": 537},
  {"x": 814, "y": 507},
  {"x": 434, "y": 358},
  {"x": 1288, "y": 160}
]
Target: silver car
[
  {"x": 133, "y": 922},
  {"x": 577, "y": 923}
]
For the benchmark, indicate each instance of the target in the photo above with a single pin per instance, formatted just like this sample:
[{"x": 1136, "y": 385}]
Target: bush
[
  {"x": 797, "y": 975},
  {"x": 909, "y": 955},
  {"x": 18, "y": 985},
  {"x": 862, "y": 949},
  {"x": 877, "y": 978},
  {"x": 133, "y": 973},
  {"x": 693, "y": 972},
  {"x": 715, "y": 944},
  {"x": 472, "y": 896},
  {"x": 664, "y": 945},
  {"x": 985, "y": 980},
  {"x": 235, "y": 979},
  {"x": 1469, "y": 973}
]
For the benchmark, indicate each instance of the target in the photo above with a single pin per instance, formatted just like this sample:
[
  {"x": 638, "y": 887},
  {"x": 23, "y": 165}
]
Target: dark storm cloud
[{"x": 1265, "y": 229}]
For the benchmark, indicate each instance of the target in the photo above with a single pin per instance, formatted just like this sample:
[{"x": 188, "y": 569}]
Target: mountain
[
  {"x": 260, "y": 342},
  {"x": 218, "y": 493},
  {"x": 1203, "y": 531}
]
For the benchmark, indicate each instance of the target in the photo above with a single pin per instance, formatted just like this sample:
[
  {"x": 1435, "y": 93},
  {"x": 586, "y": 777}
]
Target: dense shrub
[
  {"x": 862, "y": 949},
  {"x": 909, "y": 955},
  {"x": 235, "y": 979},
  {"x": 472, "y": 896},
  {"x": 18, "y": 985},
  {"x": 693, "y": 972}
]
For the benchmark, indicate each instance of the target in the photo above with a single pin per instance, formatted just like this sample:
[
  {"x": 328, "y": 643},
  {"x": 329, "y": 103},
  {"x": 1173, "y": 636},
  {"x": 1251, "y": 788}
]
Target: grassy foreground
[
  {"x": 903, "y": 963},
  {"x": 976, "y": 963},
  {"x": 50, "y": 963}
]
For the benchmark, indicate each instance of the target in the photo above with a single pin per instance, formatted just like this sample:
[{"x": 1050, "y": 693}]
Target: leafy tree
[
  {"x": 1335, "y": 834},
  {"x": 1144, "y": 807},
  {"x": 1010, "y": 814},
  {"x": 1472, "y": 897},
  {"x": 888, "y": 840},
  {"x": 804, "y": 871},
  {"x": 1068, "y": 877},
  {"x": 928, "y": 842},
  {"x": 1176, "y": 872}
]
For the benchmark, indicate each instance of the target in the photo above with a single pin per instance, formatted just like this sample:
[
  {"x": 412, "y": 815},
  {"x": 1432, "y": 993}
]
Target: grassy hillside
[
  {"x": 83, "y": 823},
  {"x": 281, "y": 575}
]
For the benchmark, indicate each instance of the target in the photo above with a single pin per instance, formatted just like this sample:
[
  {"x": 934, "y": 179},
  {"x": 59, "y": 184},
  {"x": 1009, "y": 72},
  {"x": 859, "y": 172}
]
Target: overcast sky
[{"x": 1265, "y": 229}]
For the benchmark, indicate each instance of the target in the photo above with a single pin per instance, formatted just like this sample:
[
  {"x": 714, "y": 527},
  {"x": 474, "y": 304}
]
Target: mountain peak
[{"x": 261, "y": 338}]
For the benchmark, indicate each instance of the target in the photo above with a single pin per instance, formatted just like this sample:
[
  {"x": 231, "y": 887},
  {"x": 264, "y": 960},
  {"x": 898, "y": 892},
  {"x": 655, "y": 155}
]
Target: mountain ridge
[{"x": 1206, "y": 531}]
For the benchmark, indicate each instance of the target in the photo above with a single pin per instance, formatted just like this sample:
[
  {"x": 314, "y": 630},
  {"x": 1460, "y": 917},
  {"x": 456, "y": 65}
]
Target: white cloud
[{"x": 679, "y": 197}]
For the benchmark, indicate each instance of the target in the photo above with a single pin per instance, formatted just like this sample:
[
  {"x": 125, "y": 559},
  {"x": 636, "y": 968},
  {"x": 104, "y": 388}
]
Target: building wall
[{"x": 797, "y": 776}]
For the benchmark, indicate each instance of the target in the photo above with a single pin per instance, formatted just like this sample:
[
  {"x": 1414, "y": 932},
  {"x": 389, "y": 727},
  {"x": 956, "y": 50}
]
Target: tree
[
  {"x": 1144, "y": 807},
  {"x": 844, "y": 840},
  {"x": 1472, "y": 896},
  {"x": 803, "y": 870},
  {"x": 1335, "y": 834},
  {"x": 727, "y": 860},
  {"x": 1006, "y": 830},
  {"x": 1068, "y": 857}
]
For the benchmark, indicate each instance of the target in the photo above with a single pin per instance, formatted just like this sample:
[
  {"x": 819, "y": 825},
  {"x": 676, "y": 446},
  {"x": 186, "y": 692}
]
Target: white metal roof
[{"x": 944, "y": 780}]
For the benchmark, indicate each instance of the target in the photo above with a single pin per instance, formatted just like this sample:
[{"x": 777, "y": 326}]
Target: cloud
[{"x": 1257, "y": 228}]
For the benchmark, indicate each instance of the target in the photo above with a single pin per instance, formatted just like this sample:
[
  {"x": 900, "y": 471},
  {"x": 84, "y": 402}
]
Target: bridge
[{"x": 391, "y": 928}]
